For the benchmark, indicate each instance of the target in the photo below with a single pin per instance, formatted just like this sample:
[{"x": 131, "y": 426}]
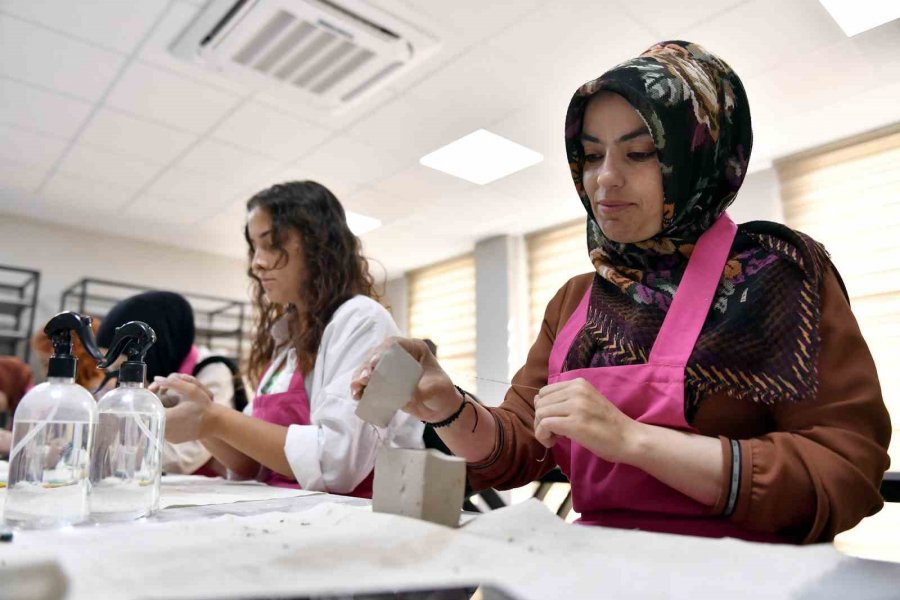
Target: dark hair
[{"x": 336, "y": 270}]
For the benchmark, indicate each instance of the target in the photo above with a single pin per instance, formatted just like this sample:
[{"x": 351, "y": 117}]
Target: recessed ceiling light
[
  {"x": 856, "y": 16},
  {"x": 481, "y": 157},
  {"x": 360, "y": 224}
]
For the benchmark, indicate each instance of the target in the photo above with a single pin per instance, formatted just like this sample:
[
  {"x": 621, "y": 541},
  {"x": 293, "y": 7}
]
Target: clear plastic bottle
[
  {"x": 126, "y": 461},
  {"x": 49, "y": 466}
]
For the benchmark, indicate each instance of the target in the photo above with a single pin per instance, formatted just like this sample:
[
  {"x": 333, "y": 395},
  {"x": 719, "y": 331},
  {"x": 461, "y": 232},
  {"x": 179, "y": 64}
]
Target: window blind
[
  {"x": 848, "y": 198},
  {"x": 442, "y": 308},
  {"x": 554, "y": 256}
]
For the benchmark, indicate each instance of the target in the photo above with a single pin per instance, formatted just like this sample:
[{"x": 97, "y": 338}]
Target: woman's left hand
[
  {"x": 185, "y": 420},
  {"x": 576, "y": 410}
]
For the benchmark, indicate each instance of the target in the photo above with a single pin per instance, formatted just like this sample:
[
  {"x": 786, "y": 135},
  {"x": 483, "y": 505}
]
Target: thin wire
[
  {"x": 546, "y": 450},
  {"x": 527, "y": 387}
]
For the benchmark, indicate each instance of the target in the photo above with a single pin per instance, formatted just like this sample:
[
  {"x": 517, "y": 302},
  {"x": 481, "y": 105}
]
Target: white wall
[
  {"x": 396, "y": 298},
  {"x": 759, "y": 199},
  {"x": 64, "y": 256}
]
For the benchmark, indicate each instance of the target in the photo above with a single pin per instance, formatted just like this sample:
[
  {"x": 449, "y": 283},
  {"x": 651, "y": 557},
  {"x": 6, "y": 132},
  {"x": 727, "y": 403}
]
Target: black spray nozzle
[
  {"x": 134, "y": 340},
  {"x": 59, "y": 329}
]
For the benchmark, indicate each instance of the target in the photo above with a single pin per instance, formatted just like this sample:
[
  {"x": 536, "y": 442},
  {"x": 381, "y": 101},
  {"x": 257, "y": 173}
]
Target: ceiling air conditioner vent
[{"x": 331, "y": 52}]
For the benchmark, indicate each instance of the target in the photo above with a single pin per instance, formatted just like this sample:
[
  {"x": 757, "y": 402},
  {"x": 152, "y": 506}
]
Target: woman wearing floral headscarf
[{"x": 707, "y": 379}]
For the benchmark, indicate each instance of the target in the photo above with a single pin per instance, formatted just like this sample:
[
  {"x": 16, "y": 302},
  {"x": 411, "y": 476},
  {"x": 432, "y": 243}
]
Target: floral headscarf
[{"x": 760, "y": 341}]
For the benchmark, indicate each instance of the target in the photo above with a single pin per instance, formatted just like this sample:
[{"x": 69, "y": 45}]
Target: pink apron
[
  {"x": 619, "y": 495},
  {"x": 292, "y": 408}
]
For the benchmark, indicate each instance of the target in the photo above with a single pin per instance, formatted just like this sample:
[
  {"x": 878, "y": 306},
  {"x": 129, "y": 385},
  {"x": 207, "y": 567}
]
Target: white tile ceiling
[{"x": 96, "y": 115}]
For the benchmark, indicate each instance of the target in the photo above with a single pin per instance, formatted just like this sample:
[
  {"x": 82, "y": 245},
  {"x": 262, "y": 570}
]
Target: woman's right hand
[{"x": 435, "y": 397}]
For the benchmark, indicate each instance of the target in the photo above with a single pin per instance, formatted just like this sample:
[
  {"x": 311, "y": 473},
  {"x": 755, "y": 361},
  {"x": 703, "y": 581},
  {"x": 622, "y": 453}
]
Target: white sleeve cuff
[{"x": 301, "y": 449}]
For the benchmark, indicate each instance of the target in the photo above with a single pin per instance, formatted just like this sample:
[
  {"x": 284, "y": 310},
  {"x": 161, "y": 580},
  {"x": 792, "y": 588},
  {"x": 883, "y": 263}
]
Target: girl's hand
[
  {"x": 576, "y": 410},
  {"x": 185, "y": 421},
  {"x": 435, "y": 398}
]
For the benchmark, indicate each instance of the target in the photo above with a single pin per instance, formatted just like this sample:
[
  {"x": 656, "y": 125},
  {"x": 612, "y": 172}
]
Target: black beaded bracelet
[{"x": 449, "y": 420}]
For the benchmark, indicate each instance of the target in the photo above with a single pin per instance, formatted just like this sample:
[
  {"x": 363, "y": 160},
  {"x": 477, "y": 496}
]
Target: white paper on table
[
  {"x": 339, "y": 548},
  {"x": 194, "y": 490}
]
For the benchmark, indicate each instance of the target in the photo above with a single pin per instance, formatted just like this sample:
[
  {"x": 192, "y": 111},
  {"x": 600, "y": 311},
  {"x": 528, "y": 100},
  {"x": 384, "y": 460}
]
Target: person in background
[
  {"x": 15, "y": 381},
  {"x": 705, "y": 379},
  {"x": 317, "y": 318},
  {"x": 172, "y": 318}
]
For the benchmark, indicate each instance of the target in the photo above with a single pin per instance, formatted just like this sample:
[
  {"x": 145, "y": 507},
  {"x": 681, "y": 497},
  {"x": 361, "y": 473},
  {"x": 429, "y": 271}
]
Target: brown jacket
[{"x": 808, "y": 470}]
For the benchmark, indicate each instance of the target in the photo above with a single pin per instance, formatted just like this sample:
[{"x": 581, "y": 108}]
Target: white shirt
[{"x": 337, "y": 451}]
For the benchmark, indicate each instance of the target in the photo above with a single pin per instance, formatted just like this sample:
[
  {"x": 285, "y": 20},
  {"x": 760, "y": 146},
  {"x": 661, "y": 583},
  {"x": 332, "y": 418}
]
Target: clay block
[
  {"x": 390, "y": 387},
  {"x": 423, "y": 484}
]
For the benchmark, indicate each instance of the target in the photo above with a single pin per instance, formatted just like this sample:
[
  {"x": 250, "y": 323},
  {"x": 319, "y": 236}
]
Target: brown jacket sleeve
[
  {"x": 516, "y": 459},
  {"x": 819, "y": 472}
]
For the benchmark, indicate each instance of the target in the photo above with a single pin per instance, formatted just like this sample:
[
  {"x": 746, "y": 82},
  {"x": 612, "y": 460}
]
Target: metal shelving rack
[
  {"x": 222, "y": 324},
  {"x": 18, "y": 300}
]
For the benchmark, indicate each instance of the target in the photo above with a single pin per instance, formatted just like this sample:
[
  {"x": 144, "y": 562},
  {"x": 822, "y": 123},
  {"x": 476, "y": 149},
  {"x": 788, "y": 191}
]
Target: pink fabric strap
[
  {"x": 694, "y": 295},
  {"x": 565, "y": 338},
  {"x": 190, "y": 361}
]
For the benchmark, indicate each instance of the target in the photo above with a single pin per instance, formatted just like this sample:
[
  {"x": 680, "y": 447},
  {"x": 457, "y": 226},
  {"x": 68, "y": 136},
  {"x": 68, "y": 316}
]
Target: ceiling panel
[
  {"x": 881, "y": 47},
  {"x": 109, "y": 167},
  {"x": 226, "y": 162},
  {"x": 17, "y": 182},
  {"x": 181, "y": 185},
  {"x": 666, "y": 19},
  {"x": 829, "y": 73},
  {"x": 481, "y": 80},
  {"x": 77, "y": 197},
  {"x": 341, "y": 188},
  {"x": 171, "y": 99},
  {"x": 285, "y": 99},
  {"x": 550, "y": 180},
  {"x": 388, "y": 208},
  {"x": 456, "y": 28},
  {"x": 30, "y": 108},
  {"x": 73, "y": 67},
  {"x": 271, "y": 132},
  {"x": 158, "y": 210},
  {"x": 110, "y": 24},
  {"x": 759, "y": 35},
  {"x": 411, "y": 127},
  {"x": 135, "y": 137},
  {"x": 344, "y": 159},
  {"x": 30, "y": 149},
  {"x": 423, "y": 183},
  {"x": 404, "y": 245},
  {"x": 585, "y": 43}
]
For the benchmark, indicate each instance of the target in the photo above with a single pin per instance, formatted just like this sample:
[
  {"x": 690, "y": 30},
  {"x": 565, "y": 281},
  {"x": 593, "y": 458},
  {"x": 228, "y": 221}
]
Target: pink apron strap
[
  {"x": 190, "y": 361},
  {"x": 565, "y": 338},
  {"x": 694, "y": 295},
  {"x": 297, "y": 381}
]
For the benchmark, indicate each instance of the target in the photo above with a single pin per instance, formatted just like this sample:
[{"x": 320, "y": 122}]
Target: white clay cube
[
  {"x": 391, "y": 385},
  {"x": 423, "y": 484}
]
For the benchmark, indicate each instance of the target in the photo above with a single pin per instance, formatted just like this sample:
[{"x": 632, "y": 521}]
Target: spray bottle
[
  {"x": 52, "y": 436},
  {"x": 127, "y": 452}
]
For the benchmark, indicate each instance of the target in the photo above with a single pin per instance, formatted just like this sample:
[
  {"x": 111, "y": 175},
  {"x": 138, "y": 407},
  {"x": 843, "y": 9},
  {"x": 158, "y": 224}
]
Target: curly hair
[{"x": 336, "y": 269}]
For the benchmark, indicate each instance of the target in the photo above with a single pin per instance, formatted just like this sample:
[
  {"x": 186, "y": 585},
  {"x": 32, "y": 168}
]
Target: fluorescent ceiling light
[
  {"x": 360, "y": 224},
  {"x": 856, "y": 16},
  {"x": 481, "y": 157}
]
